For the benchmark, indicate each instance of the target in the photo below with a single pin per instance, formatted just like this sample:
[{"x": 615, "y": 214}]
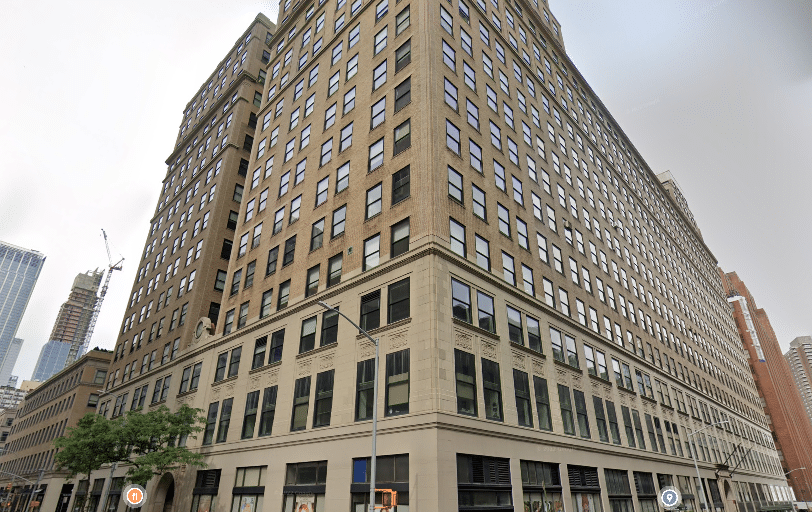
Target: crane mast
[{"x": 75, "y": 348}]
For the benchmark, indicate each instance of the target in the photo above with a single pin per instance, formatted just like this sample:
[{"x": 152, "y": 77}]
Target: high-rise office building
[
  {"x": 181, "y": 274},
  {"x": 51, "y": 359},
  {"x": 19, "y": 271},
  {"x": 799, "y": 357},
  {"x": 786, "y": 415},
  {"x": 552, "y": 329},
  {"x": 70, "y": 327}
]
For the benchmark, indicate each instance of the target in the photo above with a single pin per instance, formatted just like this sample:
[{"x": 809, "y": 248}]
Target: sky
[{"x": 719, "y": 92}]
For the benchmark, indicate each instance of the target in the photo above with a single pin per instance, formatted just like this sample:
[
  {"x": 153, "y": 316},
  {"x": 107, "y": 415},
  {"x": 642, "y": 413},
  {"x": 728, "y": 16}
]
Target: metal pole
[
  {"x": 109, "y": 486},
  {"x": 31, "y": 496},
  {"x": 696, "y": 466},
  {"x": 373, "y": 460}
]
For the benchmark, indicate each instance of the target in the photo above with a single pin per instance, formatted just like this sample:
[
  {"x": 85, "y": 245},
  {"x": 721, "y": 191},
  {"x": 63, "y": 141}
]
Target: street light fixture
[
  {"x": 807, "y": 488},
  {"x": 373, "y": 461},
  {"x": 696, "y": 466}
]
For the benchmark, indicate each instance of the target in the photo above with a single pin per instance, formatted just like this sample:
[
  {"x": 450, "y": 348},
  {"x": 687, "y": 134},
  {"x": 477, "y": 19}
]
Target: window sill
[
  {"x": 633, "y": 393},
  {"x": 600, "y": 379},
  {"x": 186, "y": 393},
  {"x": 316, "y": 351},
  {"x": 476, "y": 329},
  {"x": 229, "y": 379},
  {"x": 160, "y": 402},
  {"x": 384, "y": 328},
  {"x": 263, "y": 368},
  {"x": 648, "y": 399},
  {"x": 527, "y": 350},
  {"x": 567, "y": 366}
]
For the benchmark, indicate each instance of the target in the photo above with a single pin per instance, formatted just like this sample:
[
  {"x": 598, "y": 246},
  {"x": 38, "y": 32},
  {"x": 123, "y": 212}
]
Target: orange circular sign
[{"x": 134, "y": 495}]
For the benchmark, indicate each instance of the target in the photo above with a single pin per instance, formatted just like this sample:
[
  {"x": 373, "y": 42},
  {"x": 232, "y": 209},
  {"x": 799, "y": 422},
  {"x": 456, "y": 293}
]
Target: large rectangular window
[
  {"x": 542, "y": 403},
  {"x": 521, "y": 385},
  {"x": 371, "y": 311},
  {"x": 465, "y": 369},
  {"x": 301, "y": 403},
  {"x": 225, "y": 420},
  {"x": 397, "y": 383},
  {"x": 324, "y": 399},
  {"x": 398, "y": 297},
  {"x": 565, "y": 400},
  {"x": 250, "y": 416},
  {"x": 483, "y": 483},
  {"x": 268, "y": 410},
  {"x": 492, "y": 390},
  {"x": 364, "y": 390}
]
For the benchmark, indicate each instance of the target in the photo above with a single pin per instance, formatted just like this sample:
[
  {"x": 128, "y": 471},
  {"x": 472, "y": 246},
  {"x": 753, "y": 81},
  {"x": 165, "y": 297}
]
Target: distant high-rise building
[
  {"x": 52, "y": 359},
  {"x": 70, "y": 327},
  {"x": 790, "y": 425},
  {"x": 19, "y": 271},
  {"x": 799, "y": 358}
]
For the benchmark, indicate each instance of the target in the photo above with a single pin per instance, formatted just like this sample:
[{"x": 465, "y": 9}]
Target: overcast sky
[{"x": 717, "y": 91}]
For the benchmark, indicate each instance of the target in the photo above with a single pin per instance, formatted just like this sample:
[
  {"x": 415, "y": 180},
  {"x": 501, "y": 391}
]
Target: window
[
  {"x": 483, "y": 258},
  {"x": 402, "y": 21},
  {"x": 403, "y": 136},
  {"x": 504, "y": 219},
  {"x": 364, "y": 390},
  {"x": 211, "y": 422},
  {"x": 346, "y": 138},
  {"x": 381, "y": 9},
  {"x": 452, "y": 137},
  {"x": 492, "y": 390},
  {"x": 400, "y": 238},
  {"x": 349, "y": 101},
  {"x": 326, "y": 152},
  {"x": 371, "y": 311},
  {"x": 301, "y": 402},
  {"x": 508, "y": 268},
  {"x": 397, "y": 383},
  {"x": 378, "y": 113},
  {"x": 339, "y": 217},
  {"x": 565, "y": 399},
  {"x": 317, "y": 234},
  {"x": 457, "y": 237},
  {"x": 473, "y": 120},
  {"x": 329, "y": 328},
  {"x": 334, "y": 270},
  {"x": 400, "y": 185},
  {"x": 455, "y": 185},
  {"x": 380, "y": 40},
  {"x": 450, "y": 94},
  {"x": 342, "y": 177},
  {"x": 225, "y": 420},
  {"x": 284, "y": 295},
  {"x": 403, "y": 55},
  {"x": 449, "y": 56},
  {"x": 372, "y": 251},
  {"x": 466, "y": 382},
  {"x": 373, "y": 201},
  {"x": 323, "y": 399},
  {"x": 312, "y": 285},
  {"x": 521, "y": 385},
  {"x": 403, "y": 94},
  {"x": 398, "y": 296},
  {"x": 460, "y": 301},
  {"x": 376, "y": 155},
  {"x": 379, "y": 76},
  {"x": 290, "y": 248},
  {"x": 267, "y": 411}
]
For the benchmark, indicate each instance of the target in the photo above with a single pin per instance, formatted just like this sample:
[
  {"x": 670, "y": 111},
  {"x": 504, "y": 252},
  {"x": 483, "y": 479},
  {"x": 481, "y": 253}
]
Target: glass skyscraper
[{"x": 19, "y": 271}]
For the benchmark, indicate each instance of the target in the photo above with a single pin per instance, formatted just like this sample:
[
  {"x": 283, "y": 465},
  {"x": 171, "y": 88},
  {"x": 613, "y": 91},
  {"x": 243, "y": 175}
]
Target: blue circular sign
[{"x": 670, "y": 497}]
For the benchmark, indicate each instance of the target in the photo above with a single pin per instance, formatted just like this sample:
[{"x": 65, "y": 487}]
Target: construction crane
[{"x": 75, "y": 348}]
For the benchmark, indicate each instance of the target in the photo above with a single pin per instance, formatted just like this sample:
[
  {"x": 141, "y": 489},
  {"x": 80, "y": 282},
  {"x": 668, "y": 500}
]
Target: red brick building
[{"x": 791, "y": 427}]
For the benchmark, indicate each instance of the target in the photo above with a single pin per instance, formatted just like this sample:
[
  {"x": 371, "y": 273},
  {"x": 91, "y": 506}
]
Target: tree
[{"x": 151, "y": 443}]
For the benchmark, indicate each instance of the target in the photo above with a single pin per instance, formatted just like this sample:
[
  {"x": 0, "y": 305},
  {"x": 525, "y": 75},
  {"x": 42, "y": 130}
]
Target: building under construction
[{"x": 71, "y": 326}]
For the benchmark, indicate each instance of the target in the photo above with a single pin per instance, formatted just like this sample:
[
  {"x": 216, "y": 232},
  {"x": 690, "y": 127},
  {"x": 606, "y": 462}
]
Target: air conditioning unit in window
[{"x": 567, "y": 224}]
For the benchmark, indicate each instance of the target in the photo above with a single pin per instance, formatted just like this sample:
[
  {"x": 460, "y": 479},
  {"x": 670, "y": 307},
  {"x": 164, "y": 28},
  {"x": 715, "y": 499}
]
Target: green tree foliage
[{"x": 150, "y": 443}]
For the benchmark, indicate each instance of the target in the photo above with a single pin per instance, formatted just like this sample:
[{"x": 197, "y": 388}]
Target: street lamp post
[
  {"x": 373, "y": 461},
  {"x": 807, "y": 489},
  {"x": 696, "y": 466}
]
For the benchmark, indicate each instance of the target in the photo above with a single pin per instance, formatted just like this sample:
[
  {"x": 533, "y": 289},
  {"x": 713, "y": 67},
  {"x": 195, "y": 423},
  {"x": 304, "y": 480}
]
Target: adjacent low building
[{"x": 41, "y": 417}]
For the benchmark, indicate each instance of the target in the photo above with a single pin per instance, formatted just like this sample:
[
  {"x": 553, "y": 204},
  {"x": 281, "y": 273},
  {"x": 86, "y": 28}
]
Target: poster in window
[
  {"x": 247, "y": 504},
  {"x": 304, "y": 503},
  {"x": 204, "y": 504}
]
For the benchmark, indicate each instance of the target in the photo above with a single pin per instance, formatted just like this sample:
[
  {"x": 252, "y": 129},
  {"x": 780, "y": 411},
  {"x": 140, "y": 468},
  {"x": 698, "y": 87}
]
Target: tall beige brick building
[{"x": 551, "y": 324}]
